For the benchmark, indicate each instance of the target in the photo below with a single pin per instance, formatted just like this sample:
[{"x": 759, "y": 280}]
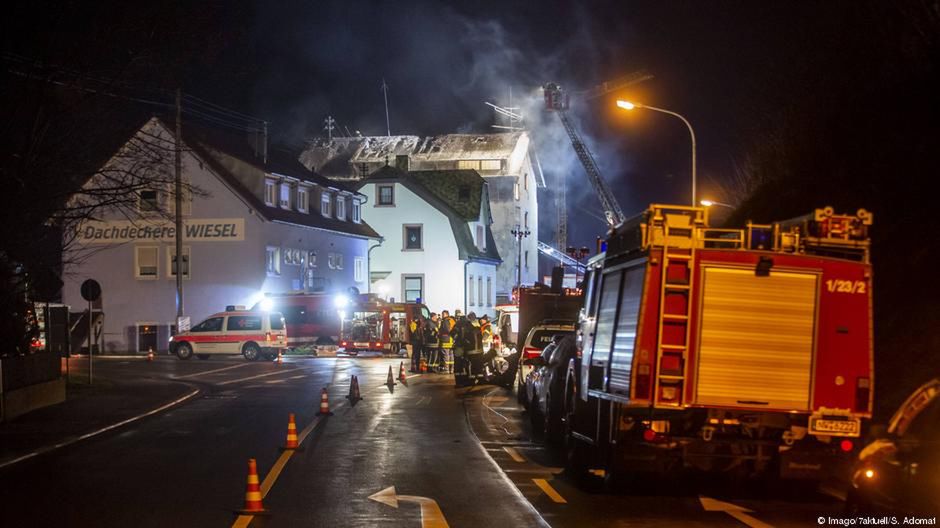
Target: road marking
[
  {"x": 275, "y": 373},
  {"x": 550, "y": 491},
  {"x": 212, "y": 371},
  {"x": 271, "y": 382},
  {"x": 738, "y": 512},
  {"x": 540, "y": 469},
  {"x": 514, "y": 454},
  {"x": 431, "y": 514},
  {"x": 99, "y": 431},
  {"x": 298, "y": 377}
]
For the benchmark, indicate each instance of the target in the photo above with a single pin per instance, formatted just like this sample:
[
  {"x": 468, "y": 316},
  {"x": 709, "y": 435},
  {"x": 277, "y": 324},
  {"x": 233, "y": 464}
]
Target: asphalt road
[{"x": 463, "y": 457}]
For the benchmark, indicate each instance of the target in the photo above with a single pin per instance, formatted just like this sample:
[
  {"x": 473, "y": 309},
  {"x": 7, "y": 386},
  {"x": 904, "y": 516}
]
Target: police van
[{"x": 251, "y": 333}]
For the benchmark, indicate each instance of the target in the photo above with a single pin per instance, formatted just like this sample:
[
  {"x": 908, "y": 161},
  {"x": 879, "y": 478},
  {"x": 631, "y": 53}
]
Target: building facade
[
  {"x": 438, "y": 244},
  {"x": 506, "y": 161},
  {"x": 251, "y": 227}
]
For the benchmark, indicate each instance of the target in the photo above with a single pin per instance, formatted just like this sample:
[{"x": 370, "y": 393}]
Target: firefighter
[
  {"x": 417, "y": 343},
  {"x": 432, "y": 343},
  {"x": 472, "y": 348},
  {"x": 462, "y": 335},
  {"x": 447, "y": 341}
]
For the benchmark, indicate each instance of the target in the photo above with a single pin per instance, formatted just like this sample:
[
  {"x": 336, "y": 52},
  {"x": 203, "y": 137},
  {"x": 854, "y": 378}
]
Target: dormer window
[
  {"x": 303, "y": 198},
  {"x": 356, "y": 211},
  {"x": 481, "y": 238},
  {"x": 341, "y": 208},
  {"x": 325, "y": 199},
  {"x": 270, "y": 192},
  {"x": 285, "y": 195}
]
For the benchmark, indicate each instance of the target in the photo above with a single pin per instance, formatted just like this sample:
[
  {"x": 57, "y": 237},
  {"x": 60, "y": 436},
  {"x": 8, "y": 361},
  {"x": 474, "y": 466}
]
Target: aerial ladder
[{"x": 557, "y": 101}]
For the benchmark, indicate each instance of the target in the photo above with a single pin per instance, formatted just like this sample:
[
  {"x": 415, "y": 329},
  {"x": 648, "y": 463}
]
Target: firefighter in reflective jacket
[
  {"x": 416, "y": 328},
  {"x": 468, "y": 351},
  {"x": 447, "y": 340},
  {"x": 432, "y": 344}
]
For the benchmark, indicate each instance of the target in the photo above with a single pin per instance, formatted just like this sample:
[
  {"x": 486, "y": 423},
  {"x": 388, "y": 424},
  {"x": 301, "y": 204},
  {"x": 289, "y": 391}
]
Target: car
[
  {"x": 535, "y": 342},
  {"x": 900, "y": 471},
  {"x": 251, "y": 333},
  {"x": 545, "y": 385}
]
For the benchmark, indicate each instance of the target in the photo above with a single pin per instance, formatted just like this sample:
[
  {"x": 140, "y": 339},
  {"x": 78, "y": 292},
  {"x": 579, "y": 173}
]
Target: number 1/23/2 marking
[{"x": 845, "y": 286}]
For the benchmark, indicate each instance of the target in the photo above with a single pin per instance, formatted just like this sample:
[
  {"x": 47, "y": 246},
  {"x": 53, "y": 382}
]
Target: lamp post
[
  {"x": 710, "y": 203},
  {"x": 627, "y": 105},
  {"x": 520, "y": 234}
]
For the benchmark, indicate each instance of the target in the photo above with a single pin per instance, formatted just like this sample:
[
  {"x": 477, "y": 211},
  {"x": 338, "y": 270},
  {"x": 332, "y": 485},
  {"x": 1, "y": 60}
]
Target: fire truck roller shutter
[
  {"x": 621, "y": 358},
  {"x": 756, "y": 340}
]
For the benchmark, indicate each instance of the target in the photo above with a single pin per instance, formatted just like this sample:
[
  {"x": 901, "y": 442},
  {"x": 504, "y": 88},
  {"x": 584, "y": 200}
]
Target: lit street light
[
  {"x": 627, "y": 105},
  {"x": 709, "y": 203}
]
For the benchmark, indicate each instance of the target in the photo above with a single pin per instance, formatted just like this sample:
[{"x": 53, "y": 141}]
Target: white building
[
  {"x": 504, "y": 160},
  {"x": 438, "y": 244},
  {"x": 257, "y": 226}
]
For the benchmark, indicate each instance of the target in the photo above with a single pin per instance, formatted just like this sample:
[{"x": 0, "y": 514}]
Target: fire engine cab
[
  {"x": 372, "y": 324},
  {"x": 723, "y": 349}
]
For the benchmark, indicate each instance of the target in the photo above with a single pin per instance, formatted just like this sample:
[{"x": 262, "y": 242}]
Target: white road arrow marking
[
  {"x": 431, "y": 515},
  {"x": 738, "y": 512}
]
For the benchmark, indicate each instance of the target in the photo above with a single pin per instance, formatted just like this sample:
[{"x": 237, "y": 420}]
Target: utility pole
[
  {"x": 520, "y": 234},
  {"x": 179, "y": 209},
  {"x": 328, "y": 125},
  {"x": 388, "y": 128}
]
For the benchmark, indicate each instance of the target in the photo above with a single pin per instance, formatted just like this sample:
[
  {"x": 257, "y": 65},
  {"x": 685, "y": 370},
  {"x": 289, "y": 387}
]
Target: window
[
  {"x": 269, "y": 192},
  {"x": 489, "y": 291},
  {"x": 385, "y": 194},
  {"x": 471, "y": 301},
  {"x": 413, "y": 287},
  {"x": 604, "y": 331},
  {"x": 213, "y": 324},
  {"x": 491, "y": 165},
  {"x": 277, "y": 321},
  {"x": 356, "y": 211},
  {"x": 243, "y": 322},
  {"x": 412, "y": 238},
  {"x": 171, "y": 261},
  {"x": 525, "y": 181},
  {"x": 359, "y": 269},
  {"x": 148, "y": 201},
  {"x": 468, "y": 164},
  {"x": 335, "y": 261},
  {"x": 311, "y": 259},
  {"x": 341, "y": 208},
  {"x": 325, "y": 204},
  {"x": 480, "y": 291},
  {"x": 293, "y": 257},
  {"x": 481, "y": 238},
  {"x": 285, "y": 195},
  {"x": 302, "y": 199},
  {"x": 145, "y": 262},
  {"x": 273, "y": 258}
]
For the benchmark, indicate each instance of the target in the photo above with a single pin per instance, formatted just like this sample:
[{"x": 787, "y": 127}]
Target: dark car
[
  {"x": 545, "y": 386},
  {"x": 900, "y": 472}
]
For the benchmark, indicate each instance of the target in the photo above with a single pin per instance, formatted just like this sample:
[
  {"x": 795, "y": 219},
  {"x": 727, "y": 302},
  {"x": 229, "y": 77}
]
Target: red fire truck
[
  {"x": 312, "y": 318},
  {"x": 372, "y": 324},
  {"x": 742, "y": 350}
]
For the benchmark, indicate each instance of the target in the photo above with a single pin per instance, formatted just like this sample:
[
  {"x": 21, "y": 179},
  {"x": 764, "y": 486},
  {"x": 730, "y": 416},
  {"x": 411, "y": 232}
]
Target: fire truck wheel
[
  {"x": 203, "y": 356},
  {"x": 251, "y": 351},
  {"x": 184, "y": 351}
]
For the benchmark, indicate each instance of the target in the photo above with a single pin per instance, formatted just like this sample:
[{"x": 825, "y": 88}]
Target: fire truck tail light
[
  {"x": 649, "y": 435},
  {"x": 530, "y": 352},
  {"x": 846, "y": 445},
  {"x": 862, "y": 394}
]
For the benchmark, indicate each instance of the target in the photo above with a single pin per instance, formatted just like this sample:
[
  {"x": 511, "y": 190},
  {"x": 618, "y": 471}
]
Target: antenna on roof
[
  {"x": 328, "y": 125},
  {"x": 388, "y": 128},
  {"x": 512, "y": 113},
  {"x": 346, "y": 128}
]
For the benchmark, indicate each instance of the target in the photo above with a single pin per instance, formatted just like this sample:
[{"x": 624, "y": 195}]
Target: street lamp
[
  {"x": 627, "y": 105},
  {"x": 520, "y": 234},
  {"x": 709, "y": 203}
]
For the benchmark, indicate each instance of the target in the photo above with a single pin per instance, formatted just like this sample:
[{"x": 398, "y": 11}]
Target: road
[{"x": 454, "y": 458}]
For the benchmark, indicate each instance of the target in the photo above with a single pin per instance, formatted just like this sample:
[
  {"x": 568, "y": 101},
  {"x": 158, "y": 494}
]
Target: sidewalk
[{"x": 87, "y": 411}]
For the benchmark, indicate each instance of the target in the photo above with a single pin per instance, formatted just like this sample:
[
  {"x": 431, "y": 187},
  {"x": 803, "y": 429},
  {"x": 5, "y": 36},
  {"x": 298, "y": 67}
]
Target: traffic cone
[
  {"x": 402, "y": 377},
  {"x": 324, "y": 404},
  {"x": 423, "y": 366},
  {"x": 353, "y": 395},
  {"x": 253, "y": 504},
  {"x": 278, "y": 357},
  {"x": 390, "y": 381},
  {"x": 291, "y": 444}
]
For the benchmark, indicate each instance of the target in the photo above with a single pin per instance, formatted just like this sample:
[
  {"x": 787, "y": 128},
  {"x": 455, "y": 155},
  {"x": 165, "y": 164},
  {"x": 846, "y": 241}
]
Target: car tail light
[
  {"x": 846, "y": 445},
  {"x": 530, "y": 352},
  {"x": 862, "y": 394},
  {"x": 343, "y": 343},
  {"x": 642, "y": 388}
]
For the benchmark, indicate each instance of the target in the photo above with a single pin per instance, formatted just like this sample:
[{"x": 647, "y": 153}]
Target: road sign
[{"x": 91, "y": 290}]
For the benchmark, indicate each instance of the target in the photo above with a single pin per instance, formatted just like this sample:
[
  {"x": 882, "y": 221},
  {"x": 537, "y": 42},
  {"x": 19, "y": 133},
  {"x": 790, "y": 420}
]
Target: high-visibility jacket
[
  {"x": 445, "y": 333},
  {"x": 486, "y": 331},
  {"x": 416, "y": 337}
]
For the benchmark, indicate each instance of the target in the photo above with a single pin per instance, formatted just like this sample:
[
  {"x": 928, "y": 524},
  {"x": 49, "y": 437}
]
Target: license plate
[
  {"x": 848, "y": 427},
  {"x": 362, "y": 345}
]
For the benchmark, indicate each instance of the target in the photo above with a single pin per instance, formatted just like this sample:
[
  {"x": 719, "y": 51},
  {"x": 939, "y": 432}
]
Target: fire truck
[
  {"x": 739, "y": 350},
  {"x": 372, "y": 324}
]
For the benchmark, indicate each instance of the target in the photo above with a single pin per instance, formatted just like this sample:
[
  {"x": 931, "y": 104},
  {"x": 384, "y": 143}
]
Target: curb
[{"x": 92, "y": 434}]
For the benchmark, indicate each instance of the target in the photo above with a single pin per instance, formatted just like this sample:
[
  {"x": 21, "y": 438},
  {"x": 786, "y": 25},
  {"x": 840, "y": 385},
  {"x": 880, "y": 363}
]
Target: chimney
[{"x": 402, "y": 162}]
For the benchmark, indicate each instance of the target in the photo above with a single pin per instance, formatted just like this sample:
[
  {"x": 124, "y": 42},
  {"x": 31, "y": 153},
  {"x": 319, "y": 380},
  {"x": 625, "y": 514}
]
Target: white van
[{"x": 252, "y": 334}]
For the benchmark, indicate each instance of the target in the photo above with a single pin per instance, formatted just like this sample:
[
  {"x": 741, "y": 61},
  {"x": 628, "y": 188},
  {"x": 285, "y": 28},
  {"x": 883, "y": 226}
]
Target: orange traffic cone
[
  {"x": 253, "y": 504},
  {"x": 291, "y": 443},
  {"x": 353, "y": 395},
  {"x": 402, "y": 377},
  {"x": 423, "y": 366},
  {"x": 278, "y": 357},
  {"x": 390, "y": 381},
  {"x": 324, "y": 404}
]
